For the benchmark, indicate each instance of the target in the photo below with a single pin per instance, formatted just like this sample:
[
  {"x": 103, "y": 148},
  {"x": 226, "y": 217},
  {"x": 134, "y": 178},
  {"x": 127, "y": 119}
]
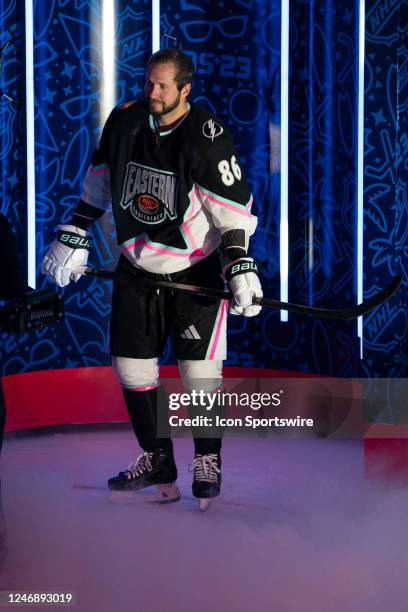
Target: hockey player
[{"x": 179, "y": 200}]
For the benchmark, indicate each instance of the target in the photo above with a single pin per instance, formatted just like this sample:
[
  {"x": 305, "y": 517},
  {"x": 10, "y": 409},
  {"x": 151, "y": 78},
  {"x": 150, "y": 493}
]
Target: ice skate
[
  {"x": 207, "y": 478},
  {"x": 155, "y": 468}
]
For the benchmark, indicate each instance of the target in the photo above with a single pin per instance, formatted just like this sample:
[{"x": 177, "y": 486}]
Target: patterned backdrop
[
  {"x": 11, "y": 120},
  {"x": 235, "y": 45},
  {"x": 386, "y": 182}
]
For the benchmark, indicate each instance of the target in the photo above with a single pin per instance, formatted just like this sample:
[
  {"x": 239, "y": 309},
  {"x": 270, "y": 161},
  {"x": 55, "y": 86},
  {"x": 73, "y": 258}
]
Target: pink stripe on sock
[{"x": 147, "y": 388}]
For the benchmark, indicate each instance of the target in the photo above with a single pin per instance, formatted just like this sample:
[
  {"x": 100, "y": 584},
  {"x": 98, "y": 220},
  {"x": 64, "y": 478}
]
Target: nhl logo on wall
[{"x": 211, "y": 129}]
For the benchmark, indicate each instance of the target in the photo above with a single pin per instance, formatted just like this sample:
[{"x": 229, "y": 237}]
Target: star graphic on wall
[
  {"x": 216, "y": 88},
  {"x": 379, "y": 117},
  {"x": 68, "y": 70},
  {"x": 48, "y": 75},
  {"x": 135, "y": 89},
  {"x": 67, "y": 90},
  {"x": 49, "y": 95},
  {"x": 13, "y": 180}
]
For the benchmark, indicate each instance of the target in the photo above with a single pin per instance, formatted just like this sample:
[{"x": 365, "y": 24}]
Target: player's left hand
[{"x": 242, "y": 277}]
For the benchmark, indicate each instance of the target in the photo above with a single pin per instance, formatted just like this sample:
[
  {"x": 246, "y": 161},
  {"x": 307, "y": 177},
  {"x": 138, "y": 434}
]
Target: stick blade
[{"x": 344, "y": 314}]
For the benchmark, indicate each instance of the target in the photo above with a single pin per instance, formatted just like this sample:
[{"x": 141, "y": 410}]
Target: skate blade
[
  {"x": 166, "y": 494},
  {"x": 204, "y": 503},
  {"x": 125, "y": 497}
]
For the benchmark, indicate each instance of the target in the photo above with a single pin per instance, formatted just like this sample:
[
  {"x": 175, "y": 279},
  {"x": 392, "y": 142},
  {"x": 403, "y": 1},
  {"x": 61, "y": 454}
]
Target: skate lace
[
  {"x": 205, "y": 468},
  {"x": 142, "y": 464}
]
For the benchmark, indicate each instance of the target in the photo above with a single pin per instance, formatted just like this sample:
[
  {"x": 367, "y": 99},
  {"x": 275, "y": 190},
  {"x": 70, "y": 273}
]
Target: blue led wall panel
[
  {"x": 386, "y": 185},
  {"x": 323, "y": 179}
]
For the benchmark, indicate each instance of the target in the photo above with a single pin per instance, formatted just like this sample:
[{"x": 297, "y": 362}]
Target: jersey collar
[{"x": 154, "y": 126}]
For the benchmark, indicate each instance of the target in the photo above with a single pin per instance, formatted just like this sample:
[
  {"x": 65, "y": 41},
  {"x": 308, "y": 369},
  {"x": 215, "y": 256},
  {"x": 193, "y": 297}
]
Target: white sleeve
[
  {"x": 96, "y": 189},
  {"x": 227, "y": 214}
]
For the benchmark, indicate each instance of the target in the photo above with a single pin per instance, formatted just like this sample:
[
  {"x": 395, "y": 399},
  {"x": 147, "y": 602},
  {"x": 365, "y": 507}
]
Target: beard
[{"x": 160, "y": 108}]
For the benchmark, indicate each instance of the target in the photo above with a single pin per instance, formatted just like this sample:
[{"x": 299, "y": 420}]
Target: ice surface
[{"x": 296, "y": 528}]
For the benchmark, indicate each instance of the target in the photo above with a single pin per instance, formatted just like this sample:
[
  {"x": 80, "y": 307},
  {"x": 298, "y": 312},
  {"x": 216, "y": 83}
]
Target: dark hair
[{"x": 182, "y": 61}]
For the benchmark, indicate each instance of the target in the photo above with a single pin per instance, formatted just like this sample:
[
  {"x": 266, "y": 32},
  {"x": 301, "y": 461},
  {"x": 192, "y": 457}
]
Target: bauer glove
[
  {"x": 242, "y": 277},
  {"x": 69, "y": 250}
]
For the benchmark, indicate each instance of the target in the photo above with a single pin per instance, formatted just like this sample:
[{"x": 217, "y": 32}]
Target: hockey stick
[{"x": 346, "y": 313}]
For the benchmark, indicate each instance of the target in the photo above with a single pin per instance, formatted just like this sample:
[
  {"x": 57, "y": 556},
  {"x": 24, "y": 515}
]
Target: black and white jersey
[{"x": 173, "y": 193}]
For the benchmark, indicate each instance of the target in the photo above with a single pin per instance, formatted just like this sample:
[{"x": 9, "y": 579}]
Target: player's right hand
[{"x": 69, "y": 250}]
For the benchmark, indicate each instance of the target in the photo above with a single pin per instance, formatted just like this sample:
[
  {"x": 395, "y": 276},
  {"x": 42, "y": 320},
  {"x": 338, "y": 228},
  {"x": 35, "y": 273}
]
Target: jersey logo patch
[
  {"x": 211, "y": 129},
  {"x": 149, "y": 194}
]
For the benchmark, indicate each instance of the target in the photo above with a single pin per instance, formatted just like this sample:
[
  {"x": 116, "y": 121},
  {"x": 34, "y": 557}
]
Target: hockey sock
[
  {"x": 206, "y": 446},
  {"x": 207, "y": 439},
  {"x": 143, "y": 408}
]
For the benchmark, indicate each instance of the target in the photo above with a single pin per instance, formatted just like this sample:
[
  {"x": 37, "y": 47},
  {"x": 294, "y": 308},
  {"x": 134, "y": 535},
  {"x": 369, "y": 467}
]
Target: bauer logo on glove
[
  {"x": 74, "y": 241},
  {"x": 242, "y": 268}
]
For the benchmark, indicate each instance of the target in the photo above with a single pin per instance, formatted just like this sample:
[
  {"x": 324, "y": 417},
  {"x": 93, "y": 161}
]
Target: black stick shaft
[{"x": 344, "y": 314}]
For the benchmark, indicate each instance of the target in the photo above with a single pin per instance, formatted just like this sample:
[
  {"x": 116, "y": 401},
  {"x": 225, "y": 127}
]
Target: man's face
[{"x": 161, "y": 91}]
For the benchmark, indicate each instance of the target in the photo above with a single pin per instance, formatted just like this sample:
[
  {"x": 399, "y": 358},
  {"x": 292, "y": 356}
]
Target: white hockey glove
[
  {"x": 242, "y": 277},
  {"x": 69, "y": 250}
]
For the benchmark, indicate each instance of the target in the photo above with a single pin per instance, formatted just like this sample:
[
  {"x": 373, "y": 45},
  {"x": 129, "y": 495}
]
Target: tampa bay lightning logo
[{"x": 211, "y": 129}]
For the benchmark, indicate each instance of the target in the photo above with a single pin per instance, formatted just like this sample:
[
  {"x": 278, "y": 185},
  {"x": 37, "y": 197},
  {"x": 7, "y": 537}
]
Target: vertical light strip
[
  {"x": 311, "y": 255},
  {"x": 30, "y": 153},
  {"x": 155, "y": 25},
  {"x": 108, "y": 97},
  {"x": 284, "y": 184},
  {"x": 360, "y": 167}
]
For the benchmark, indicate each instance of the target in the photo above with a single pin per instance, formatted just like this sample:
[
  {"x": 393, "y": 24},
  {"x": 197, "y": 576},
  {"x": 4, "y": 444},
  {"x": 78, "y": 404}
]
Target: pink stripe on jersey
[
  {"x": 189, "y": 235},
  {"x": 238, "y": 208},
  {"x": 162, "y": 249},
  {"x": 219, "y": 323},
  {"x": 194, "y": 199}
]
